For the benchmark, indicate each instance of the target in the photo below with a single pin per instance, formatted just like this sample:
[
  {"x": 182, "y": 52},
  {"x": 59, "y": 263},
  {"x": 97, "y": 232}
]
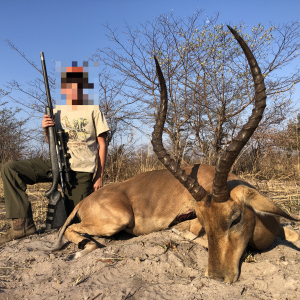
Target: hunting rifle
[{"x": 60, "y": 169}]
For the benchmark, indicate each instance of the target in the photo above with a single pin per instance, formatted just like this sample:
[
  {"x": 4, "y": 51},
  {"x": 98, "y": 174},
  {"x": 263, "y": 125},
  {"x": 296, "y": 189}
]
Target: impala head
[
  {"x": 245, "y": 218},
  {"x": 229, "y": 226},
  {"x": 230, "y": 211}
]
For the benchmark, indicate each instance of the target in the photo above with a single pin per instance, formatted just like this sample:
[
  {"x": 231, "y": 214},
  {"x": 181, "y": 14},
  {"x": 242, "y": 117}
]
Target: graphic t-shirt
[{"x": 81, "y": 128}]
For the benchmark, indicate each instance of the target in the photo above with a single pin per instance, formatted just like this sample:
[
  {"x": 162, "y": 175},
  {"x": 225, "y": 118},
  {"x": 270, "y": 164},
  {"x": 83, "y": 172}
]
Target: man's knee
[{"x": 8, "y": 167}]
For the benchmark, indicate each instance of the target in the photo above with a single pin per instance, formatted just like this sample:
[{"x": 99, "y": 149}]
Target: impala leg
[
  {"x": 192, "y": 230},
  {"x": 288, "y": 234},
  {"x": 193, "y": 226},
  {"x": 96, "y": 227},
  {"x": 73, "y": 234}
]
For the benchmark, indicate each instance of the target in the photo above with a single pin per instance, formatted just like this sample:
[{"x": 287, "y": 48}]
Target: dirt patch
[{"x": 161, "y": 265}]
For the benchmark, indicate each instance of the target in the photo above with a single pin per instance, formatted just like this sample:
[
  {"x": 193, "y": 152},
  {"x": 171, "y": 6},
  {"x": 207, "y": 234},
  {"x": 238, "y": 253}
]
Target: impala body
[{"x": 154, "y": 200}]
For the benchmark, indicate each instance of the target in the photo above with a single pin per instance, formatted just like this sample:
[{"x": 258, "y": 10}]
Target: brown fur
[{"x": 151, "y": 202}]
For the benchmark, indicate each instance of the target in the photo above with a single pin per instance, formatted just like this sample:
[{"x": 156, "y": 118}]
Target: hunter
[{"x": 86, "y": 145}]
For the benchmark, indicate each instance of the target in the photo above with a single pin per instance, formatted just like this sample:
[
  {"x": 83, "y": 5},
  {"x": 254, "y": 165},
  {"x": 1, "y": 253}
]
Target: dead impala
[{"x": 224, "y": 209}]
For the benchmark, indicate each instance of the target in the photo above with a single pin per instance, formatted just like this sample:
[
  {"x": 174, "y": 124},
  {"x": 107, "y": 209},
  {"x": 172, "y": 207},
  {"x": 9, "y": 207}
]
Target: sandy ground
[{"x": 161, "y": 265}]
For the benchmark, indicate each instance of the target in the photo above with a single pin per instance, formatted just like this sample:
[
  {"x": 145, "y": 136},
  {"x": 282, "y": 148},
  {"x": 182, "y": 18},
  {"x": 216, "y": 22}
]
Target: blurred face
[
  {"x": 71, "y": 90},
  {"x": 73, "y": 83}
]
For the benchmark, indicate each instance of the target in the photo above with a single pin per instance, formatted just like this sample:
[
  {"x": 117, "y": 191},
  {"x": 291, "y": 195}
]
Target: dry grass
[
  {"x": 286, "y": 194},
  {"x": 270, "y": 165},
  {"x": 39, "y": 202}
]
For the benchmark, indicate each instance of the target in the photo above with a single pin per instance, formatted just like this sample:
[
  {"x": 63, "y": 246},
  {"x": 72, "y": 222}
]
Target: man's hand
[
  {"x": 98, "y": 183},
  {"x": 47, "y": 122},
  {"x": 98, "y": 180}
]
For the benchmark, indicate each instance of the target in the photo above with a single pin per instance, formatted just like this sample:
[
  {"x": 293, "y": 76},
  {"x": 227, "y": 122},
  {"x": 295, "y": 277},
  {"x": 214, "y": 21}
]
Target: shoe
[{"x": 19, "y": 229}]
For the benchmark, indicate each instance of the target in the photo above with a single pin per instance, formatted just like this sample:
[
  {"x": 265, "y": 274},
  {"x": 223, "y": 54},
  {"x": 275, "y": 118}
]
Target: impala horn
[
  {"x": 196, "y": 190},
  {"x": 220, "y": 190}
]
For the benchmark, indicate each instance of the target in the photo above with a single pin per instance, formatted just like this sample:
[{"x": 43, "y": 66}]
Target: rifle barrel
[{"x": 46, "y": 83}]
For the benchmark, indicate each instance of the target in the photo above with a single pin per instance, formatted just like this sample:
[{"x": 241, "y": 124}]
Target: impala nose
[{"x": 228, "y": 277}]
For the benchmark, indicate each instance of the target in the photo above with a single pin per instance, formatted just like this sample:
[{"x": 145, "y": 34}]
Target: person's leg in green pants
[
  {"x": 79, "y": 188},
  {"x": 16, "y": 175}
]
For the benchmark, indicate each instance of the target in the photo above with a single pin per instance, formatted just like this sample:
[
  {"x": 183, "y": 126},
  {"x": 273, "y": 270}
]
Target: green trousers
[{"x": 17, "y": 174}]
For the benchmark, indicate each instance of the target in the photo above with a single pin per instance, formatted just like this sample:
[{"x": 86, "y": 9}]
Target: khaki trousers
[{"x": 17, "y": 174}]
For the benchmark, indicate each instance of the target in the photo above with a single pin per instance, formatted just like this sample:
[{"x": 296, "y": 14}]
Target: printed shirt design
[
  {"x": 76, "y": 131},
  {"x": 81, "y": 131}
]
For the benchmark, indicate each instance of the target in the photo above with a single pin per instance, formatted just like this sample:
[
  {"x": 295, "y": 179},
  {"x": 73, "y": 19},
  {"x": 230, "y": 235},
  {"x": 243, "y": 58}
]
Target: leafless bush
[
  {"x": 272, "y": 154},
  {"x": 125, "y": 162},
  {"x": 273, "y": 163},
  {"x": 13, "y": 134}
]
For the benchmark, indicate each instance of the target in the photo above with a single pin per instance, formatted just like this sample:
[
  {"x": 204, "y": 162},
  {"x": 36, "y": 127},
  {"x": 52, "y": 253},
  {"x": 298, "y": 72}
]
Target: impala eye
[{"x": 236, "y": 220}]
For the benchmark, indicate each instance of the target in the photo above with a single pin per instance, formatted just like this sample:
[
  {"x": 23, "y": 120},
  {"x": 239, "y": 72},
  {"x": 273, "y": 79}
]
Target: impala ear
[{"x": 260, "y": 204}]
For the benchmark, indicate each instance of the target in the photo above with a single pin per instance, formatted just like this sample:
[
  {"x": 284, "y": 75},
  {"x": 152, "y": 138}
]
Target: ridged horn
[
  {"x": 196, "y": 190},
  {"x": 220, "y": 191}
]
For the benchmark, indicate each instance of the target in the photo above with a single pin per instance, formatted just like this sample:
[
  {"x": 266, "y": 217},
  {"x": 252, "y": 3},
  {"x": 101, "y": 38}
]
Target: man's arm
[
  {"x": 98, "y": 180},
  {"x": 47, "y": 122}
]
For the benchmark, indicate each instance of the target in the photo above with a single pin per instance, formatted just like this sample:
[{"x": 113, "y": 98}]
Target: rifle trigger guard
[{"x": 49, "y": 173}]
